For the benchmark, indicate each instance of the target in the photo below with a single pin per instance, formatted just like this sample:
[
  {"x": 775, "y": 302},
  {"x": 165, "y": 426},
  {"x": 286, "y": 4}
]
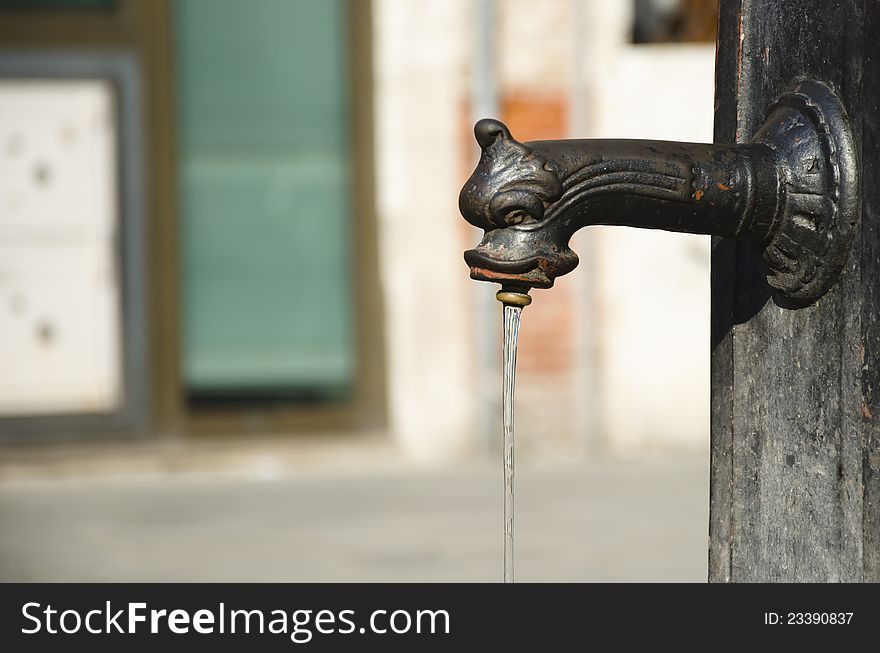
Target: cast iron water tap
[{"x": 793, "y": 191}]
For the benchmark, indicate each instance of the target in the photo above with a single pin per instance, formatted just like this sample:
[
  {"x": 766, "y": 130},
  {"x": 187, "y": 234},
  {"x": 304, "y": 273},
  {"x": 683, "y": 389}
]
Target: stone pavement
[{"x": 607, "y": 520}]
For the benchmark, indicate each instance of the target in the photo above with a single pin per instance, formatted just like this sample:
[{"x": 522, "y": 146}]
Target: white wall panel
[{"x": 59, "y": 291}]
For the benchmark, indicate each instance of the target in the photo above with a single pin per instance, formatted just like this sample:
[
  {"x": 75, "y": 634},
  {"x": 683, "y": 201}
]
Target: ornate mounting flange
[{"x": 818, "y": 201}]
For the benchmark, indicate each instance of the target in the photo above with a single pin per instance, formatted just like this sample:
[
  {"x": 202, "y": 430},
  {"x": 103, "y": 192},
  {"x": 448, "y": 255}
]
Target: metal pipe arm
[{"x": 792, "y": 192}]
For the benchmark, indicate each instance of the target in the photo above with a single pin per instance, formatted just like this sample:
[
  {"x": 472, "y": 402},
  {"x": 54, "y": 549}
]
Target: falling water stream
[{"x": 511, "y": 334}]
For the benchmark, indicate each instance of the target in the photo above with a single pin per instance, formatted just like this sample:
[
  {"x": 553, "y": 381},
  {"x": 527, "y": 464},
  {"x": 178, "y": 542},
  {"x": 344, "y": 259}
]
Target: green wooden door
[{"x": 264, "y": 186}]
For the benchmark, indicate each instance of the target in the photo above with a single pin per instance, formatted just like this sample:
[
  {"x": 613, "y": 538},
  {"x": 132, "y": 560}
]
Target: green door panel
[{"x": 264, "y": 178}]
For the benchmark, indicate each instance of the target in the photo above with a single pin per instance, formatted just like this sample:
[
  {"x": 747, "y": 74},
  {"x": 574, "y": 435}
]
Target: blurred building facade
[{"x": 227, "y": 218}]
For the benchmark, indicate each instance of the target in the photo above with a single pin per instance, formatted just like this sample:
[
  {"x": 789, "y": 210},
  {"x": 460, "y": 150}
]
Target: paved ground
[{"x": 609, "y": 520}]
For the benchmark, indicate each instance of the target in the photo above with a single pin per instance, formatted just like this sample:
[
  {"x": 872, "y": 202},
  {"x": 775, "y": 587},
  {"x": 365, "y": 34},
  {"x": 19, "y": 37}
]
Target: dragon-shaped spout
[{"x": 792, "y": 191}]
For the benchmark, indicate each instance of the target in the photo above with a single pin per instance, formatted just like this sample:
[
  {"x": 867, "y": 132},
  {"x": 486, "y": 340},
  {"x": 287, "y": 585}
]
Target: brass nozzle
[{"x": 513, "y": 297}]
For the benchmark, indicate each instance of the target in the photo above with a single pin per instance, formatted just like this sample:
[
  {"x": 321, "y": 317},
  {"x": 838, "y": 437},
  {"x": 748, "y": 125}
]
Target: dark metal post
[{"x": 795, "y": 481}]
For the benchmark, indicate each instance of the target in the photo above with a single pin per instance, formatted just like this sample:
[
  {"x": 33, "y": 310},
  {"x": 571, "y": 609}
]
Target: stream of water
[{"x": 511, "y": 335}]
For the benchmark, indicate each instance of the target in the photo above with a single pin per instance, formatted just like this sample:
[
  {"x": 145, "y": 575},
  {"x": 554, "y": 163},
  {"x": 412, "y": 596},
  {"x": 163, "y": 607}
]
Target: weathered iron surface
[
  {"x": 795, "y": 472},
  {"x": 792, "y": 192}
]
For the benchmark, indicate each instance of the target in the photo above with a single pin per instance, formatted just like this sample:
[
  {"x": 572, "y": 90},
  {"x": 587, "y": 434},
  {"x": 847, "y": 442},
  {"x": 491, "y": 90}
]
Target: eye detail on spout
[
  {"x": 518, "y": 216},
  {"x": 516, "y": 207},
  {"x": 793, "y": 192}
]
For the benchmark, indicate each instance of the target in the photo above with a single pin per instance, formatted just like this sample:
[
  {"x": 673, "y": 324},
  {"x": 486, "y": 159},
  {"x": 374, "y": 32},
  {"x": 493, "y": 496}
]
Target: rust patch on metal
[
  {"x": 491, "y": 275},
  {"x": 535, "y": 278}
]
